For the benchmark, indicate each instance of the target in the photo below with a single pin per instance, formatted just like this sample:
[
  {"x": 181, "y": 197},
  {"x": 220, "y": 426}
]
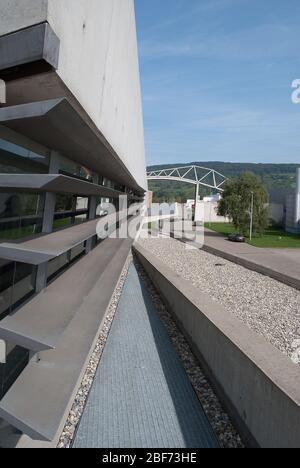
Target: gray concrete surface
[
  {"x": 98, "y": 38},
  {"x": 29, "y": 45},
  {"x": 142, "y": 397},
  {"x": 258, "y": 385},
  {"x": 40, "y": 323},
  {"x": 54, "y": 183},
  {"x": 39, "y": 402}
]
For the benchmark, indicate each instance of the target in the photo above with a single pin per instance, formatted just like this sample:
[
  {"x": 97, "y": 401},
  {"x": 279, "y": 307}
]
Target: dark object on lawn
[{"x": 236, "y": 238}]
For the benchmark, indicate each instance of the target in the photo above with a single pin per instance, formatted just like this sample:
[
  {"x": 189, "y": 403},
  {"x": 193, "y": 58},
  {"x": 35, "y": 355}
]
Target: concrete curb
[
  {"x": 250, "y": 265},
  {"x": 258, "y": 385}
]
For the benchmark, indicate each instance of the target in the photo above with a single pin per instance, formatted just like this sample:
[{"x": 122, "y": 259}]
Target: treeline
[{"x": 273, "y": 175}]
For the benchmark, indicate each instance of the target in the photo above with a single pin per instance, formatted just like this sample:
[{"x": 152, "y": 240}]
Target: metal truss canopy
[{"x": 195, "y": 175}]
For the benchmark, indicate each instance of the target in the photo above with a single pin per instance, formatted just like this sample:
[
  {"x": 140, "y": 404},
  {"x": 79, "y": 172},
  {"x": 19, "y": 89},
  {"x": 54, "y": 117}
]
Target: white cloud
[{"x": 269, "y": 41}]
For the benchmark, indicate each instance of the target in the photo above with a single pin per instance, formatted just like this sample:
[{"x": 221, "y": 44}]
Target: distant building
[{"x": 213, "y": 198}]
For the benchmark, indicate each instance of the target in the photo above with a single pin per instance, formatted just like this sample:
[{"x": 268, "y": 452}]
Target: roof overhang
[
  {"x": 54, "y": 183},
  {"x": 62, "y": 126},
  {"x": 37, "y": 45}
]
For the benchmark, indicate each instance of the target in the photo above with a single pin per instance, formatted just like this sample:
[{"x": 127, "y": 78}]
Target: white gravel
[{"x": 268, "y": 307}]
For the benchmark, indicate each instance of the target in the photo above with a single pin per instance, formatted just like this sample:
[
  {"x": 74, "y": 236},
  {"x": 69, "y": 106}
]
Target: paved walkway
[
  {"x": 281, "y": 264},
  {"x": 141, "y": 397}
]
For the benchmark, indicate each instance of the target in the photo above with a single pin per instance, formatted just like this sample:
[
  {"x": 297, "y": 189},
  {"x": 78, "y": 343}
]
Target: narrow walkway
[{"x": 141, "y": 397}]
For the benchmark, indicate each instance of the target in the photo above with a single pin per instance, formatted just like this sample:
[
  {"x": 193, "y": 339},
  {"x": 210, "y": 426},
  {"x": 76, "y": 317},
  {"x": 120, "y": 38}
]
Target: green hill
[{"x": 274, "y": 176}]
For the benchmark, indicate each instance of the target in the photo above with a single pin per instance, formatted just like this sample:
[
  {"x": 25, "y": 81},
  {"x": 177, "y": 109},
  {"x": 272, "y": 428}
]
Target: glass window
[
  {"x": 21, "y": 215},
  {"x": 70, "y": 210},
  {"x": 70, "y": 168},
  {"x": 77, "y": 252},
  {"x": 15, "y": 159},
  {"x": 111, "y": 184},
  {"x": 60, "y": 264},
  {"x": 17, "y": 284},
  {"x": 102, "y": 207},
  {"x": 57, "y": 265},
  {"x": 16, "y": 361}
]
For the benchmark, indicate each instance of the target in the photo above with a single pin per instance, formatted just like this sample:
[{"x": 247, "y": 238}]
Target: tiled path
[{"x": 141, "y": 397}]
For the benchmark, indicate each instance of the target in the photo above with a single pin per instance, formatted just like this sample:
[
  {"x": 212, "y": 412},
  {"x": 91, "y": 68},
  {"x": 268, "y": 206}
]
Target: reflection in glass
[
  {"x": 17, "y": 359},
  {"x": 59, "y": 264},
  {"x": 72, "y": 169},
  {"x": 17, "y": 284},
  {"x": 15, "y": 159},
  {"x": 70, "y": 210},
  {"x": 21, "y": 215}
]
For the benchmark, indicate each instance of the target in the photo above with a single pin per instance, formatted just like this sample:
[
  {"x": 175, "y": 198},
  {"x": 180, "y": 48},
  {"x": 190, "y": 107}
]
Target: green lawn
[{"x": 273, "y": 238}]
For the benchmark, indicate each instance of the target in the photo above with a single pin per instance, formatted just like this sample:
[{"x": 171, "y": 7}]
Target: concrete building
[
  {"x": 293, "y": 209},
  {"x": 71, "y": 136}
]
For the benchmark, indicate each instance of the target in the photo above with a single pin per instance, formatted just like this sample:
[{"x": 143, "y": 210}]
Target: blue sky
[{"x": 216, "y": 80}]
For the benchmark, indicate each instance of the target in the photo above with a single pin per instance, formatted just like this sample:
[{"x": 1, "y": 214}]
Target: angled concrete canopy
[
  {"x": 55, "y": 183},
  {"x": 40, "y": 400},
  {"x": 66, "y": 128},
  {"x": 17, "y": 253},
  {"x": 42, "y": 249},
  {"x": 34, "y": 44}
]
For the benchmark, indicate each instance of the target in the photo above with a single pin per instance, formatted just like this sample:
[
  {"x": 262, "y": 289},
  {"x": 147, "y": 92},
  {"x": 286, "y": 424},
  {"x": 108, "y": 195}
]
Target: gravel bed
[
  {"x": 268, "y": 307},
  {"x": 68, "y": 434},
  {"x": 219, "y": 419}
]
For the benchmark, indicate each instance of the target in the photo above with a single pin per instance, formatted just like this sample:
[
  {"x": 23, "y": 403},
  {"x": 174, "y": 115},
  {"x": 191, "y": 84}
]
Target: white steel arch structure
[{"x": 195, "y": 175}]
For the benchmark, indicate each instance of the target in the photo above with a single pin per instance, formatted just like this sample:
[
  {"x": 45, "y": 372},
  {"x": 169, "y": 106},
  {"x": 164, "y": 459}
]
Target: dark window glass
[
  {"x": 102, "y": 207},
  {"x": 17, "y": 284},
  {"x": 16, "y": 361},
  {"x": 70, "y": 168},
  {"x": 15, "y": 159},
  {"x": 58, "y": 265},
  {"x": 111, "y": 184},
  {"x": 21, "y": 215},
  {"x": 70, "y": 210},
  {"x": 77, "y": 252}
]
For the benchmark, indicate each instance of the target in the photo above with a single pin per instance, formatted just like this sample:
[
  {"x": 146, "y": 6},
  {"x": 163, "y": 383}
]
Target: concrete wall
[
  {"x": 98, "y": 63},
  {"x": 258, "y": 384},
  {"x": 19, "y": 14},
  {"x": 211, "y": 213}
]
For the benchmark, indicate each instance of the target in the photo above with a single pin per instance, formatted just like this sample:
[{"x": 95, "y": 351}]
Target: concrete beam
[
  {"x": 29, "y": 45},
  {"x": 61, "y": 125}
]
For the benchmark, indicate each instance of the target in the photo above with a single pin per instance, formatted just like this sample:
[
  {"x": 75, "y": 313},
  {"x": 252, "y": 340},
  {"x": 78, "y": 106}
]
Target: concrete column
[
  {"x": 41, "y": 277},
  {"x": 123, "y": 217},
  {"x": 2, "y": 352},
  {"x": 50, "y": 198},
  {"x": 199, "y": 218},
  {"x": 297, "y": 201},
  {"x": 49, "y": 209},
  {"x": 92, "y": 213}
]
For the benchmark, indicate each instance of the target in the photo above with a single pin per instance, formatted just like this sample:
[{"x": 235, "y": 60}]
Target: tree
[{"x": 236, "y": 203}]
